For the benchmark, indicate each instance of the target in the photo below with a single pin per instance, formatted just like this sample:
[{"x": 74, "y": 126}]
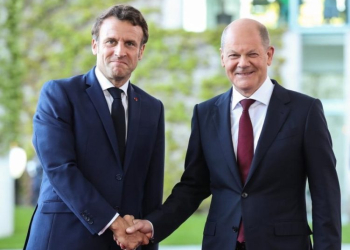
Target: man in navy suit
[
  {"x": 261, "y": 207},
  {"x": 88, "y": 182}
]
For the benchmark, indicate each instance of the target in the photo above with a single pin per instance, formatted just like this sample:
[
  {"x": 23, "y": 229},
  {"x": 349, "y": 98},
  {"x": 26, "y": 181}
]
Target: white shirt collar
[
  {"x": 106, "y": 84},
  {"x": 261, "y": 95}
]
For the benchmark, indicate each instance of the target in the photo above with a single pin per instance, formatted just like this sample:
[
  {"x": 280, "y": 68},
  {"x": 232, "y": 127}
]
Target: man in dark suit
[
  {"x": 255, "y": 163},
  {"x": 97, "y": 169}
]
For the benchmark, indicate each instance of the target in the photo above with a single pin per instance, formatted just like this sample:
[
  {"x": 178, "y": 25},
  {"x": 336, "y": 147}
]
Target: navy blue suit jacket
[
  {"x": 294, "y": 146},
  {"x": 84, "y": 183}
]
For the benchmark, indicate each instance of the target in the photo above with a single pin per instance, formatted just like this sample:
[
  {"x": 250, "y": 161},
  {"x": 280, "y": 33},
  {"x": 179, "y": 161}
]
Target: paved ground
[
  {"x": 344, "y": 247},
  {"x": 180, "y": 248}
]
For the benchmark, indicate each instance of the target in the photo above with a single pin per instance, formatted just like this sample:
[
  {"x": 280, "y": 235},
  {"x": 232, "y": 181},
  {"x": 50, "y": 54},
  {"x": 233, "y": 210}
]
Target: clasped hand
[{"x": 130, "y": 233}]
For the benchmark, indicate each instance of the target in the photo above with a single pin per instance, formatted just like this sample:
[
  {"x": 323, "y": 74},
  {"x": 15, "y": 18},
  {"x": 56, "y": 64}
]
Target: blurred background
[{"x": 49, "y": 39}]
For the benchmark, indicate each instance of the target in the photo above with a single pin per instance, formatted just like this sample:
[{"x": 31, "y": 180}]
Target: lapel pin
[{"x": 136, "y": 99}]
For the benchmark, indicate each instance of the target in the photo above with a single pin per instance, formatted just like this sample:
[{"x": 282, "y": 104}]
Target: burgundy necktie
[{"x": 245, "y": 149}]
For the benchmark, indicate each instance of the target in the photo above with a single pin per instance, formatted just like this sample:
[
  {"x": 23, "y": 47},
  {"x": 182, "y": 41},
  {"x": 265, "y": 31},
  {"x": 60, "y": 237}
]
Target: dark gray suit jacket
[{"x": 294, "y": 146}]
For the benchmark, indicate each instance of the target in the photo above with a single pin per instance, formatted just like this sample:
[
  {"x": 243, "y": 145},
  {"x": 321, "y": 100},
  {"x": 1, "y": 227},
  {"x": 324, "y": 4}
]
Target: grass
[
  {"x": 346, "y": 234},
  {"x": 22, "y": 219},
  {"x": 189, "y": 233}
]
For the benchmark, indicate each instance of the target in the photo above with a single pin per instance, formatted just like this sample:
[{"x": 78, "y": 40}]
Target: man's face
[
  {"x": 245, "y": 59},
  {"x": 118, "y": 49}
]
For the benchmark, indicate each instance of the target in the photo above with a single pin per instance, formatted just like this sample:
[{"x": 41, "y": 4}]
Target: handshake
[{"x": 129, "y": 233}]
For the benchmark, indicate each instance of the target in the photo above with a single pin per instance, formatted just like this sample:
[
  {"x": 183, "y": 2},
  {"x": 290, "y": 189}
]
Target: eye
[
  {"x": 130, "y": 44},
  {"x": 233, "y": 56},
  {"x": 111, "y": 42},
  {"x": 253, "y": 55}
]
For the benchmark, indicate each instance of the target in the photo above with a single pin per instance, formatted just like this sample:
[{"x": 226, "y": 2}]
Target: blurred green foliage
[
  {"x": 41, "y": 40},
  {"x": 51, "y": 39},
  {"x": 11, "y": 75}
]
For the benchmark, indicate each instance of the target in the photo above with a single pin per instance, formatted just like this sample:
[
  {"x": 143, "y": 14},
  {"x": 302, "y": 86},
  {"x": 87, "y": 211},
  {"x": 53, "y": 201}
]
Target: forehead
[
  {"x": 243, "y": 37},
  {"x": 113, "y": 27}
]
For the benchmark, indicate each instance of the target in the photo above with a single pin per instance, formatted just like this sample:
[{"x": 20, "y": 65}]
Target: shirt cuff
[{"x": 110, "y": 223}]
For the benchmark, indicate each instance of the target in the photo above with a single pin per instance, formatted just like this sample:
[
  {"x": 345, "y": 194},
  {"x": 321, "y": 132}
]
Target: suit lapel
[
  {"x": 99, "y": 101},
  {"x": 276, "y": 115},
  {"x": 134, "y": 106},
  {"x": 222, "y": 121}
]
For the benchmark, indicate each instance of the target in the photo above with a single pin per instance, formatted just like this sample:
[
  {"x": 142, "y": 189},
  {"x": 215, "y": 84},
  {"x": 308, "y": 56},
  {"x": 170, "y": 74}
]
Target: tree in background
[
  {"x": 11, "y": 75},
  {"x": 51, "y": 39}
]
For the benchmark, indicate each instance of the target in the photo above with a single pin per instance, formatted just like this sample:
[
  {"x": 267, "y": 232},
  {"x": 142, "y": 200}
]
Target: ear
[
  {"x": 270, "y": 52},
  {"x": 222, "y": 58},
  {"x": 94, "y": 47},
  {"x": 141, "y": 51}
]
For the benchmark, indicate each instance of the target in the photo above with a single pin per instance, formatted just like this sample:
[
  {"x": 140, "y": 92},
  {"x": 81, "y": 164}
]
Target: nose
[
  {"x": 243, "y": 62},
  {"x": 119, "y": 50}
]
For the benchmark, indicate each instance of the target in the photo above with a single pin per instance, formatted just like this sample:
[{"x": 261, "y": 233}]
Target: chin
[
  {"x": 244, "y": 84},
  {"x": 117, "y": 74}
]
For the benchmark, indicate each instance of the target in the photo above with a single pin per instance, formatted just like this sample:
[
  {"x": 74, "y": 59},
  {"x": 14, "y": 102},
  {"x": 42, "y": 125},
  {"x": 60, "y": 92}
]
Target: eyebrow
[
  {"x": 114, "y": 38},
  {"x": 131, "y": 40},
  {"x": 109, "y": 38},
  {"x": 233, "y": 51}
]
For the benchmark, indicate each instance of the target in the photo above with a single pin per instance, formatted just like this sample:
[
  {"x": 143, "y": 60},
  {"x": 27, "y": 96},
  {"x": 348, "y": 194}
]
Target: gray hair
[{"x": 264, "y": 35}]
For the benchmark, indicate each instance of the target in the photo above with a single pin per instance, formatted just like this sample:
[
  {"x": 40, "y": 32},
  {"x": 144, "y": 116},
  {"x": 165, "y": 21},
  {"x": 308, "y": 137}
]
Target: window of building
[{"x": 325, "y": 12}]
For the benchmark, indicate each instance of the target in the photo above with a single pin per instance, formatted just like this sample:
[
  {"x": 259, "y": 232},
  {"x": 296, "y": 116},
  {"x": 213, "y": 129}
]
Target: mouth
[
  {"x": 119, "y": 62},
  {"x": 244, "y": 73}
]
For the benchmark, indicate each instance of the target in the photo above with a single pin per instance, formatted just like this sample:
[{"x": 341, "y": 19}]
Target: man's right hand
[
  {"x": 143, "y": 226},
  {"x": 129, "y": 241}
]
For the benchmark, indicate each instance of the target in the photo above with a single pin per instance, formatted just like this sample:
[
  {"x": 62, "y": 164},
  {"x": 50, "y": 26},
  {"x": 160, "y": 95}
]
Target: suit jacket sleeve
[
  {"x": 323, "y": 180},
  {"x": 187, "y": 195},
  {"x": 54, "y": 143},
  {"x": 153, "y": 193}
]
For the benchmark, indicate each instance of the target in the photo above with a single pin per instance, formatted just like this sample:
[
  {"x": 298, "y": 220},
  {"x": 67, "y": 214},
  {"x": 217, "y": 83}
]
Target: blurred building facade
[
  {"x": 317, "y": 60},
  {"x": 316, "y": 49}
]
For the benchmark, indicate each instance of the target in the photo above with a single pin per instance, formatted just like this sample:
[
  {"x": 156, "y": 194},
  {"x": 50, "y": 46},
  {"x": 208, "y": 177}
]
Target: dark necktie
[
  {"x": 245, "y": 149},
  {"x": 118, "y": 117}
]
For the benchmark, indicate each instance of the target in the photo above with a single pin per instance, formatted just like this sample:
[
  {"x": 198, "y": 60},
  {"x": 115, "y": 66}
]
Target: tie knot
[
  {"x": 115, "y": 92},
  {"x": 246, "y": 103}
]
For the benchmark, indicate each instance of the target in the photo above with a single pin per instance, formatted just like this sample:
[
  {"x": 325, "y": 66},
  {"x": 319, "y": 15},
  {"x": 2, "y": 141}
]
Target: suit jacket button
[
  {"x": 119, "y": 177},
  {"x": 244, "y": 195},
  {"x": 235, "y": 229}
]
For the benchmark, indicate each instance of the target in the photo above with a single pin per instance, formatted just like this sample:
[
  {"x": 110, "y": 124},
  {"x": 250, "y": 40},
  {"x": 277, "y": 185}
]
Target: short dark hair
[{"x": 123, "y": 13}]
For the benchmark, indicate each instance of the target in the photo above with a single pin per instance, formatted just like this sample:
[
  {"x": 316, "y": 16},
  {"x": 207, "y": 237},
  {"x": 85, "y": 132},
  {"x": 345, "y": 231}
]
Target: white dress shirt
[
  {"x": 257, "y": 111},
  {"x": 105, "y": 85}
]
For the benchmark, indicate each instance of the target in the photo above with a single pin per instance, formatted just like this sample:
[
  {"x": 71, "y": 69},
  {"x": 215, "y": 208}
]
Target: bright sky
[{"x": 194, "y": 15}]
